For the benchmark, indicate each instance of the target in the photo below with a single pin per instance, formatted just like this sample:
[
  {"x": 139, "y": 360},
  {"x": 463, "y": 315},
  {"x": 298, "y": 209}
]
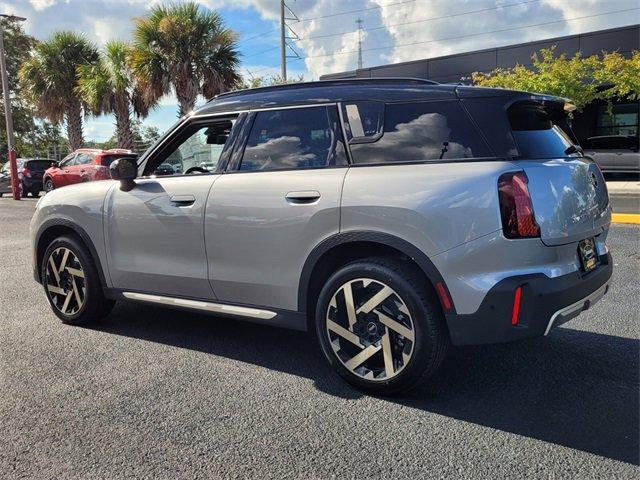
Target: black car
[{"x": 30, "y": 171}]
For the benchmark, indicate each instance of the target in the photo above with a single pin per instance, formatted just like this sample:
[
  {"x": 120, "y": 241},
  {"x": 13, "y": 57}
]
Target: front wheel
[
  {"x": 379, "y": 325},
  {"x": 71, "y": 282},
  {"x": 48, "y": 185}
]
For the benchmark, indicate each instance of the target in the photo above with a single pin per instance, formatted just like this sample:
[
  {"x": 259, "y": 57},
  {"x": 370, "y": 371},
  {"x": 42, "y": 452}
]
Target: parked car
[
  {"x": 614, "y": 153},
  {"x": 83, "y": 165},
  {"x": 30, "y": 171},
  {"x": 392, "y": 217}
]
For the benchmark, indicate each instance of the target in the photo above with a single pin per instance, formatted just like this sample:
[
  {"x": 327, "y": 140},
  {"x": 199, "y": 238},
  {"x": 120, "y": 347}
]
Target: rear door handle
[
  {"x": 302, "y": 197},
  {"x": 183, "y": 200}
]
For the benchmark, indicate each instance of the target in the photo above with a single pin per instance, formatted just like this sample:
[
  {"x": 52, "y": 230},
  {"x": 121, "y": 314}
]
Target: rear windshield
[
  {"x": 611, "y": 143},
  {"x": 539, "y": 132},
  {"x": 109, "y": 159},
  {"x": 39, "y": 164}
]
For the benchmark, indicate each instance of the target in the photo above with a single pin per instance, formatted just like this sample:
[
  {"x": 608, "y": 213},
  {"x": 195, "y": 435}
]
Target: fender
[
  {"x": 64, "y": 222},
  {"x": 408, "y": 249}
]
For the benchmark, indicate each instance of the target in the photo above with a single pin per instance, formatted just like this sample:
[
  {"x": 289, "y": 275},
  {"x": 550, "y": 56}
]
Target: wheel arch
[
  {"x": 54, "y": 228},
  {"x": 343, "y": 248}
]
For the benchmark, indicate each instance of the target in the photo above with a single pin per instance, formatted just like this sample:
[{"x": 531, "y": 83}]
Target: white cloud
[{"x": 42, "y": 4}]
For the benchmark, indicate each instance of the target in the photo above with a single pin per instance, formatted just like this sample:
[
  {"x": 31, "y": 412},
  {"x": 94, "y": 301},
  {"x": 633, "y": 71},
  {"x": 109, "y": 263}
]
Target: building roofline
[{"x": 329, "y": 76}]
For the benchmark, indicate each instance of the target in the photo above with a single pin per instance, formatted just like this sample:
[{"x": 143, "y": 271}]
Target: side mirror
[
  {"x": 55, "y": 165},
  {"x": 125, "y": 170}
]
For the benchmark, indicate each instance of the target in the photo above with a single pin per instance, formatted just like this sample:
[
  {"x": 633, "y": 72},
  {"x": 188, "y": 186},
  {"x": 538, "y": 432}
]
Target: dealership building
[{"x": 594, "y": 120}]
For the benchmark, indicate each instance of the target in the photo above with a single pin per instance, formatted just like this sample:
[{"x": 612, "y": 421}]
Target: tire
[
  {"x": 35, "y": 193},
  {"x": 415, "y": 344},
  {"x": 74, "y": 290},
  {"x": 23, "y": 191},
  {"x": 48, "y": 185}
]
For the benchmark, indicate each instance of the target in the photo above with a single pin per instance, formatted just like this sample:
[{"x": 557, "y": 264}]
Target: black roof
[{"x": 327, "y": 91}]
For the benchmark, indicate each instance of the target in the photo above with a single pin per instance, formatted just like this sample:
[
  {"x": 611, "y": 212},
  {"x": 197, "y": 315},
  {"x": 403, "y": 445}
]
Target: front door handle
[
  {"x": 183, "y": 200},
  {"x": 302, "y": 197}
]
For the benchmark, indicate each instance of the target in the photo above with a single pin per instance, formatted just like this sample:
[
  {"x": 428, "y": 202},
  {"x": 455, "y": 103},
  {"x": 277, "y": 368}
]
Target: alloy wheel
[
  {"x": 370, "y": 329},
  {"x": 65, "y": 281}
]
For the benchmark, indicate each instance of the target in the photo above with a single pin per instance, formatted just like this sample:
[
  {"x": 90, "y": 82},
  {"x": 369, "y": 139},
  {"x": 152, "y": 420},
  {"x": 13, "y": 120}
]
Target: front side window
[
  {"x": 423, "y": 131},
  {"x": 68, "y": 160},
  {"x": 197, "y": 150},
  {"x": 296, "y": 138}
]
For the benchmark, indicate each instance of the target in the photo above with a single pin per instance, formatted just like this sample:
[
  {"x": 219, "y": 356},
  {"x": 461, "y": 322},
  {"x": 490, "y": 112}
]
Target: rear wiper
[{"x": 574, "y": 149}]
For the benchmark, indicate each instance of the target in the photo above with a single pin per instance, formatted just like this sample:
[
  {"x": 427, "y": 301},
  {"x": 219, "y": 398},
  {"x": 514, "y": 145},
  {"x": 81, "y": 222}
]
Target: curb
[{"x": 625, "y": 218}]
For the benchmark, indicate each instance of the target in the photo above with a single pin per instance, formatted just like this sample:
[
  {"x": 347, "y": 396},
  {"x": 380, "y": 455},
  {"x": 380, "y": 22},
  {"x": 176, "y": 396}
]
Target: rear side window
[
  {"x": 609, "y": 143},
  {"x": 296, "y": 138},
  {"x": 537, "y": 131},
  {"x": 427, "y": 131}
]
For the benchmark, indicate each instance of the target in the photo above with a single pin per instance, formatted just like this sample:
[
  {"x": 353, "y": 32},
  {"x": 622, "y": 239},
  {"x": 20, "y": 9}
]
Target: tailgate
[{"x": 569, "y": 198}]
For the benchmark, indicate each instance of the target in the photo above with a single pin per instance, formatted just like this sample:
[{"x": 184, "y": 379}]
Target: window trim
[
  {"x": 174, "y": 136},
  {"x": 364, "y": 139},
  {"x": 238, "y": 154}
]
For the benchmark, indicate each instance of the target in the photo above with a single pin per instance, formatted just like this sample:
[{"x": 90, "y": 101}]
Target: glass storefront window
[{"x": 623, "y": 120}]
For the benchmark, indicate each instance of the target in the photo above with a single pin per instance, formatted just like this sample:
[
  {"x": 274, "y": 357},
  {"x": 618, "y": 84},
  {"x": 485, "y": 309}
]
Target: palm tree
[
  {"x": 185, "y": 47},
  {"x": 108, "y": 86},
  {"x": 49, "y": 80}
]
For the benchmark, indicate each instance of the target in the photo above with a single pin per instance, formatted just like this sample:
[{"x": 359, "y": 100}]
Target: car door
[
  {"x": 61, "y": 175},
  {"x": 83, "y": 168},
  {"x": 154, "y": 231},
  {"x": 279, "y": 198}
]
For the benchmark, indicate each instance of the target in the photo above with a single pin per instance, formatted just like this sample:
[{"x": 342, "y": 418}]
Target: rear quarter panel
[{"x": 434, "y": 206}]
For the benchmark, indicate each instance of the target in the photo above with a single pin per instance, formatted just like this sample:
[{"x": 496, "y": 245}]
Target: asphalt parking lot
[{"x": 152, "y": 393}]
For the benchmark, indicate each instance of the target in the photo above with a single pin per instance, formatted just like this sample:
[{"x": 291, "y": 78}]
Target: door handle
[
  {"x": 183, "y": 200},
  {"x": 302, "y": 197}
]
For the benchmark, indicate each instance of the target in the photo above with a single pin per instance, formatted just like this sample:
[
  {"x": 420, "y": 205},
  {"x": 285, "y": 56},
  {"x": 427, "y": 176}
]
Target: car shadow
[{"x": 574, "y": 388}]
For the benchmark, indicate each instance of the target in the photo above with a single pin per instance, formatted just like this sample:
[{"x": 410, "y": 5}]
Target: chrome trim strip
[
  {"x": 200, "y": 305},
  {"x": 578, "y": 306}
]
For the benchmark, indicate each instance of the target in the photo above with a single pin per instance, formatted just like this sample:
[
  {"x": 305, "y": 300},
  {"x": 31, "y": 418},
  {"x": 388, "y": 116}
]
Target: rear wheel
[
  {"x": 48, "y": 185},
  {"x": 379, "y": 326},
  {"x": 71, "y": 282}
]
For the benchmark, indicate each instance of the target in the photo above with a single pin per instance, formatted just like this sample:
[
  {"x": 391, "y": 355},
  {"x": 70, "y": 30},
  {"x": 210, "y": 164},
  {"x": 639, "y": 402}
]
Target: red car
[{"x": 83, "y": 165}]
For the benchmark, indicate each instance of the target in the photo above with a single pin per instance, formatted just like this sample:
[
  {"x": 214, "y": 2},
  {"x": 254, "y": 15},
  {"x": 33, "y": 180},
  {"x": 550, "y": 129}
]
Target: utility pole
[
  {"x": 359, "y": 21},
  {"x": 283, "y": 44},
  {"x": 11, "y": 141}
]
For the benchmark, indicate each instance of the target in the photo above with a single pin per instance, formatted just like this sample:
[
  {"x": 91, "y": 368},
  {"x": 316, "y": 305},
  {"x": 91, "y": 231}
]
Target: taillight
[
  {"x": 518, "y": 220},
  {"x": 24, "y": 171}
]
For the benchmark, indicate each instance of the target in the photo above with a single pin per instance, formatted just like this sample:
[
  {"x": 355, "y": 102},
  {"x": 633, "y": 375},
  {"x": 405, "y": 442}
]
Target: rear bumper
[
  {"x": 545, "y": 304},
  {"x": 32, "y": 184}
]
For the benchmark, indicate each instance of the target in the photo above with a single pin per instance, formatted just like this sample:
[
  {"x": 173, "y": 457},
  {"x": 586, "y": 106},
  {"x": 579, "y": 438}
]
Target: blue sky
[{"x": 395, "y": 30}]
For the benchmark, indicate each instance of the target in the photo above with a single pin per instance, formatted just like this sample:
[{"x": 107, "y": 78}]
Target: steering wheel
[{"x": 196, "y": 170}]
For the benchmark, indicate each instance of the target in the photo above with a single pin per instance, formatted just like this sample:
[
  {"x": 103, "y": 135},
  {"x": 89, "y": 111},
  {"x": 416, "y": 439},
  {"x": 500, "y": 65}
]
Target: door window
[
  {"x": 296, "y": 138},
  {"x": 196, "y": 150},
  {"x": 68, "y": 160},
  {"x": 84, "y": 158}
]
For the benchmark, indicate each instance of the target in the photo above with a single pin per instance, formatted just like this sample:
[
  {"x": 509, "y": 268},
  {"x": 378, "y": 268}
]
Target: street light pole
[{"x": 11, "y": 141}]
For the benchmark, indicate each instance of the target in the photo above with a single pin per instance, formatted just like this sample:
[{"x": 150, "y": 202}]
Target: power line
[
  {"x": 355, "y": 11},
  {"x": 423, "y": 20},
  {"x": 474, "y": 34},
  {"x": 261, "y": 52}
]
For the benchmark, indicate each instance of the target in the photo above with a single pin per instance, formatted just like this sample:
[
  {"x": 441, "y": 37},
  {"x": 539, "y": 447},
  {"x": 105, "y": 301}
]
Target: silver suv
[{"x": 391, "y": 217}]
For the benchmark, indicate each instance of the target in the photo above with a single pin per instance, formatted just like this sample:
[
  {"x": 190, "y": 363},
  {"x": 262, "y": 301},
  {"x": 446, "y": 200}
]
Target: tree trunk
[
  {"x": 187, "y": 94},
  {"x": 73, "y": 117},
  {"x": 123, "y": 123}
]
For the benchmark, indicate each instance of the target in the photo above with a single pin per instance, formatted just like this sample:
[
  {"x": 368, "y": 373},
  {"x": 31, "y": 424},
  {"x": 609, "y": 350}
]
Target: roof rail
[{"x": 326, "y": 83}]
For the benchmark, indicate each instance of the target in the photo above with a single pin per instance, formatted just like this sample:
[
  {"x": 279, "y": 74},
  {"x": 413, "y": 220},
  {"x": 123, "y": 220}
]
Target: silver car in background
[
  {"x": 614, "y": 153},
  {"x": 390, "y": 217}
]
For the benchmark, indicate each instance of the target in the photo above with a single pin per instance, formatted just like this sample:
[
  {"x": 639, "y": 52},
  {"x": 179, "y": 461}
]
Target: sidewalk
[{"x": 623, "y": 187}]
